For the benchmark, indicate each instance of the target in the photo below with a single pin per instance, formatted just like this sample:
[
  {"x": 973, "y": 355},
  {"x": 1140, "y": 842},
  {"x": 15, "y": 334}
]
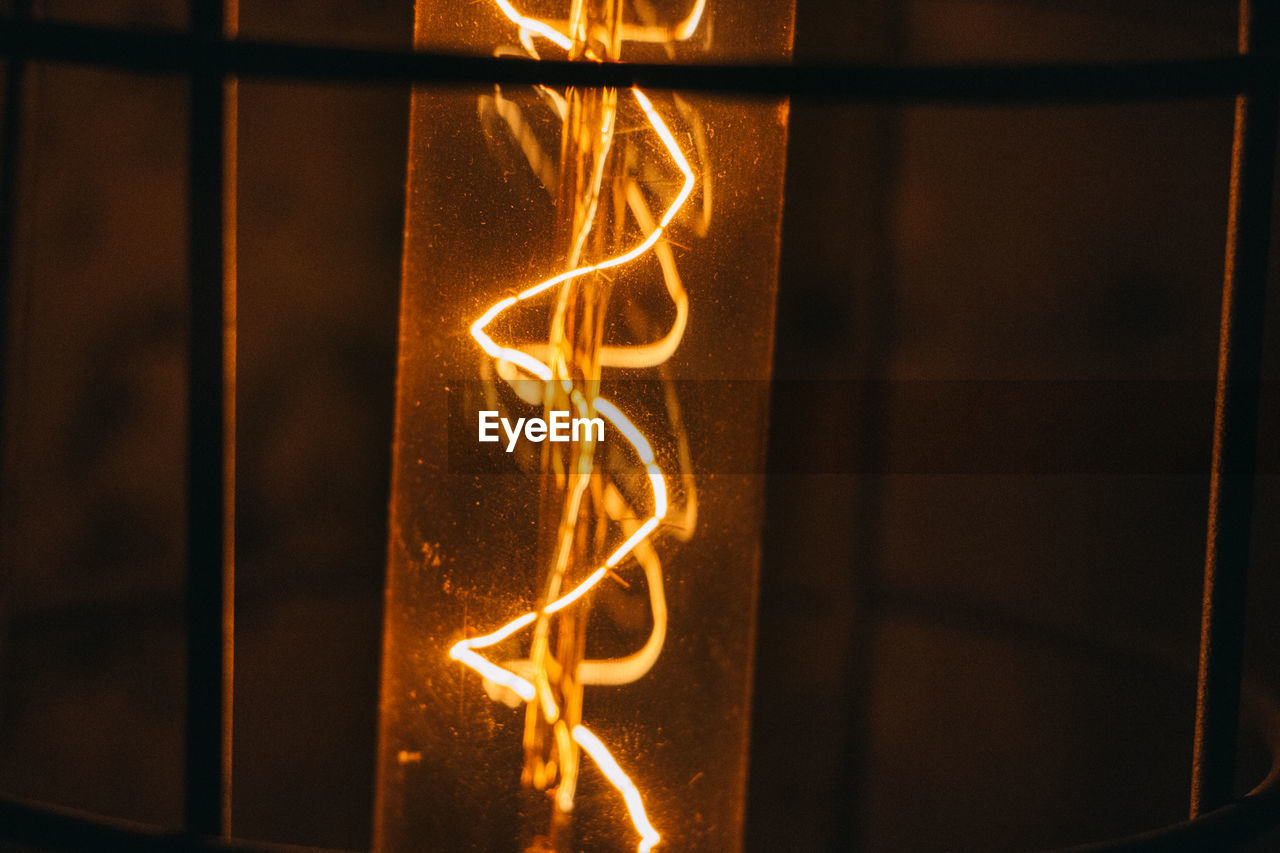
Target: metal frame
[
  {"x": 179, "y": 52},
  {"x": 213, "y": 59}
]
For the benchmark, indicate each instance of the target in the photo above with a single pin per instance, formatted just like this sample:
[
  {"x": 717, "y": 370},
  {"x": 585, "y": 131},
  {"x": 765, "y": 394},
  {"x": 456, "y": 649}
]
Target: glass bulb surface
[{"x": 569, "y": 623}]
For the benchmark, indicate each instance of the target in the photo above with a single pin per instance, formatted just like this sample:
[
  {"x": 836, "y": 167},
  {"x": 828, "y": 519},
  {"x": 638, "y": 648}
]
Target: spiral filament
[{"x": 585, "y": 500}]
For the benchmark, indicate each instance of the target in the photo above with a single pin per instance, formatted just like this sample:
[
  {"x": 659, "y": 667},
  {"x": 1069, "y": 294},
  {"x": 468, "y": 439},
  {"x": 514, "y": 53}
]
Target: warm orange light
[
  {"x": 644, "y": 356},
  {"x": 635, "y": 806},
  {"x": 590, "y": 584}
]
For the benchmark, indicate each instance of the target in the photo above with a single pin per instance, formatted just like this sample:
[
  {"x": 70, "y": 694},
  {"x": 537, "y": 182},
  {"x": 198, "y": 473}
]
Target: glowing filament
[
  {"x": 522, "y": 677},
  {"x": 648, "y": 835}
]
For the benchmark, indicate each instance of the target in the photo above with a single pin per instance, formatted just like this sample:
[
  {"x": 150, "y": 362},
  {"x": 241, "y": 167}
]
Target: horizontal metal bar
[{"x": 176, "y": 52}]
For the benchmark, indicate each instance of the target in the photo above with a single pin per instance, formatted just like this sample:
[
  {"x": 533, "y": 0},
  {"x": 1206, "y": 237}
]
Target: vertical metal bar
[
  {"x": 211, "y": 461},
  {"x": 1235, "y": 422},
  {"x": 11, "y": 138},
  {"x": 852, "y": 821}
]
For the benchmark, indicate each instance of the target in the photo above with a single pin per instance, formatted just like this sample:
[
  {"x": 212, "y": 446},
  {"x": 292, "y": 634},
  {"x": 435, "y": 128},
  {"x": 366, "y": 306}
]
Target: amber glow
[
  {"x": 527, "y": 680},
  {"x": 569, "y": 622},
  {"x": 555, "y": 31}
]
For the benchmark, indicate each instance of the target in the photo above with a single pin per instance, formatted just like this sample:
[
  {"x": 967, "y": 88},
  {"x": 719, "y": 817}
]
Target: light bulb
[{"x": 570, "y": 601}]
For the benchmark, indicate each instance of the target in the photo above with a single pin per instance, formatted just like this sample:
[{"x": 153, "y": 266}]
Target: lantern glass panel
[{"x": 569, "y": 623}]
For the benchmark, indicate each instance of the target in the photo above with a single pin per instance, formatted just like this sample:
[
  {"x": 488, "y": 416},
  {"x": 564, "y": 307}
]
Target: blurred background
[{"x": 963, "y": 644}]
